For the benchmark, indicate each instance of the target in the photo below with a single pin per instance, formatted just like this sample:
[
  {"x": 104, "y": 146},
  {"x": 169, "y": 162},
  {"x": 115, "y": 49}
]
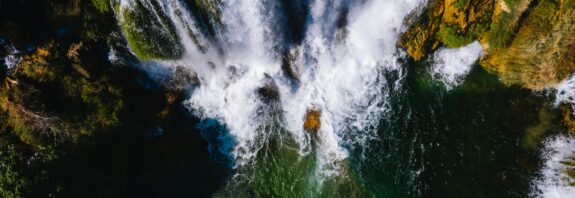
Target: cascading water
[
  {"x": 12, "y": 57},
  {"x": 346, "y": 49},
  {"x": 257, "y": 69},
  {"x": 554, "y": 182},
  {"x": 452, "y": 65}
]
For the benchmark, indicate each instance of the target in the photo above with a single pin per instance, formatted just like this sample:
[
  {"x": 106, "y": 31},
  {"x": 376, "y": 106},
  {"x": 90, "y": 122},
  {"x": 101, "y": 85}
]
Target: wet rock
[
  {"x": 288, "y": 66},
  {"x": 296, "y": 12},
  {"x": 312, "y": 122},
  {"x": 183, "y": 79},
  {"x": 180, "y": 86},
  {"x": 341, "y": 25},
  {"x": 269, "y": 92},
  {"x": 149, "y": 31},
  {"x": 419, "y": 40},
  {"x": 207, "y": 14}
]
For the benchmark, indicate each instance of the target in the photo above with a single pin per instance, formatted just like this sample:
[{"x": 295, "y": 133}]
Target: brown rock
[
  {"x": 312, "y": 122},
  {"x": 269, "y": 92}
]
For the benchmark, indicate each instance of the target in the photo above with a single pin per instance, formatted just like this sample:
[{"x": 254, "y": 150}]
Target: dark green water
[
  {"x": 470, "y": 141},
  {"x": 476, "y": 140}
]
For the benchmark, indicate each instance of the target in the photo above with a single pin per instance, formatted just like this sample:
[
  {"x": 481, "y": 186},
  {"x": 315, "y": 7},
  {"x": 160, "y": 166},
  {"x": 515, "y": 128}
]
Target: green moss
[
  {"x": 504, "y": 26},
  {"x": 452, "y": 36},
  {"x": 150, "y": 36},
  {"x": 12, "y": 183},
  {"x": 103, "y": 6},
  {"x": 460, "y": 4}
]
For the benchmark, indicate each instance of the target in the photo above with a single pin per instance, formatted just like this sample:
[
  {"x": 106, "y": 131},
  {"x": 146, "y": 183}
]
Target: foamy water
[
  {"x": 13, "y": 56},
  {"x": 451, "y": 66},
  {"x": 554, "y": 183},
  {"x": 340, "y": 70},
  {"x": 565, "y": 92}
]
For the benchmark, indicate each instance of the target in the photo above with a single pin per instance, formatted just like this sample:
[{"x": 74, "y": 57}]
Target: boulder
[
  {"x": 312, "y": 122},
  {"x": 150, "y": 33},
  {"x": 269, "y": 92}
]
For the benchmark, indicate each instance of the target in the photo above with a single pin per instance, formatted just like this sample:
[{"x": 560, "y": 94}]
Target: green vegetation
[
  {"x": 461, "y": 3},
  {"x": 86, "y": 102},
  {"x": 541, "y": 53},
  {"x": 451, "y": 37},
  {"x": 527, "y": 43},
  {"x": 570, "y": 169},
  {"x": 12, "y": 183},
  {"x": 103, "y": 6}
]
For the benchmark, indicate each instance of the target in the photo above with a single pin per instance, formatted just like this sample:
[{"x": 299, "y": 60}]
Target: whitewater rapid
[{"x": 347, "y": 48}]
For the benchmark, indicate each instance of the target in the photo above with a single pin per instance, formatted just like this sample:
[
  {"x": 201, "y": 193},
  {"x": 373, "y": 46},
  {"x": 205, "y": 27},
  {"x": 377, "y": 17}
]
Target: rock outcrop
[
  {"x": 312, "y": 122},
  {"x": 152, "y": 34},
  {"x": 528, "y": 43},
  {"x": 269, "y": 92}
]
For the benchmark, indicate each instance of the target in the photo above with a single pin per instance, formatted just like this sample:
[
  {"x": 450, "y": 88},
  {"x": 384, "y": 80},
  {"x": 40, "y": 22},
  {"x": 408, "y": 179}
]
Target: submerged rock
[
  {"x": 288, "y": 66},
  {"x": 183, "y": 79},
  {"x": 312, "y": 122},
  {"x": 269, "y": 92}
]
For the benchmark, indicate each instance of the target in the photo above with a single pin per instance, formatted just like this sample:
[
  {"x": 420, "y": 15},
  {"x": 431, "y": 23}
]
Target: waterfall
[{"x": 336, "y": 64}]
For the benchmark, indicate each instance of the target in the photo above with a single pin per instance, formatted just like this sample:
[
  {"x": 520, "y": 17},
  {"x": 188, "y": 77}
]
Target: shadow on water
[
  {"x": 221, "y": 142},
  {"x": 467, "y": 142}
]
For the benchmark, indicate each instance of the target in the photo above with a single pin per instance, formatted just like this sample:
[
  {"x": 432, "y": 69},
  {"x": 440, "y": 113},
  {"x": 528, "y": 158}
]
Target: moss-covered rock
[
  {"x": 453, "y": 23},
  {"x": 312, "y": 122},
  {"x": 529, "y": 44},
  {"x": 149, "y": 31},
  {"x": 207, "y": 14},
  {"x": 542, "y": 52},
  {"x": 418, "y": 40}
]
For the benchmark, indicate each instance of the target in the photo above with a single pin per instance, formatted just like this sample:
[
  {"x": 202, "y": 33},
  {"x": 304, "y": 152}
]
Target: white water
[
  {"x": 340, "y": 71},
  {"x": 554, "y": 183},
  {"x": 565, "y": 92},
  {"x": 14, "y": 56},
  {"x": 343, "y": 77},
  {"x": 451, "y": 66}
]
